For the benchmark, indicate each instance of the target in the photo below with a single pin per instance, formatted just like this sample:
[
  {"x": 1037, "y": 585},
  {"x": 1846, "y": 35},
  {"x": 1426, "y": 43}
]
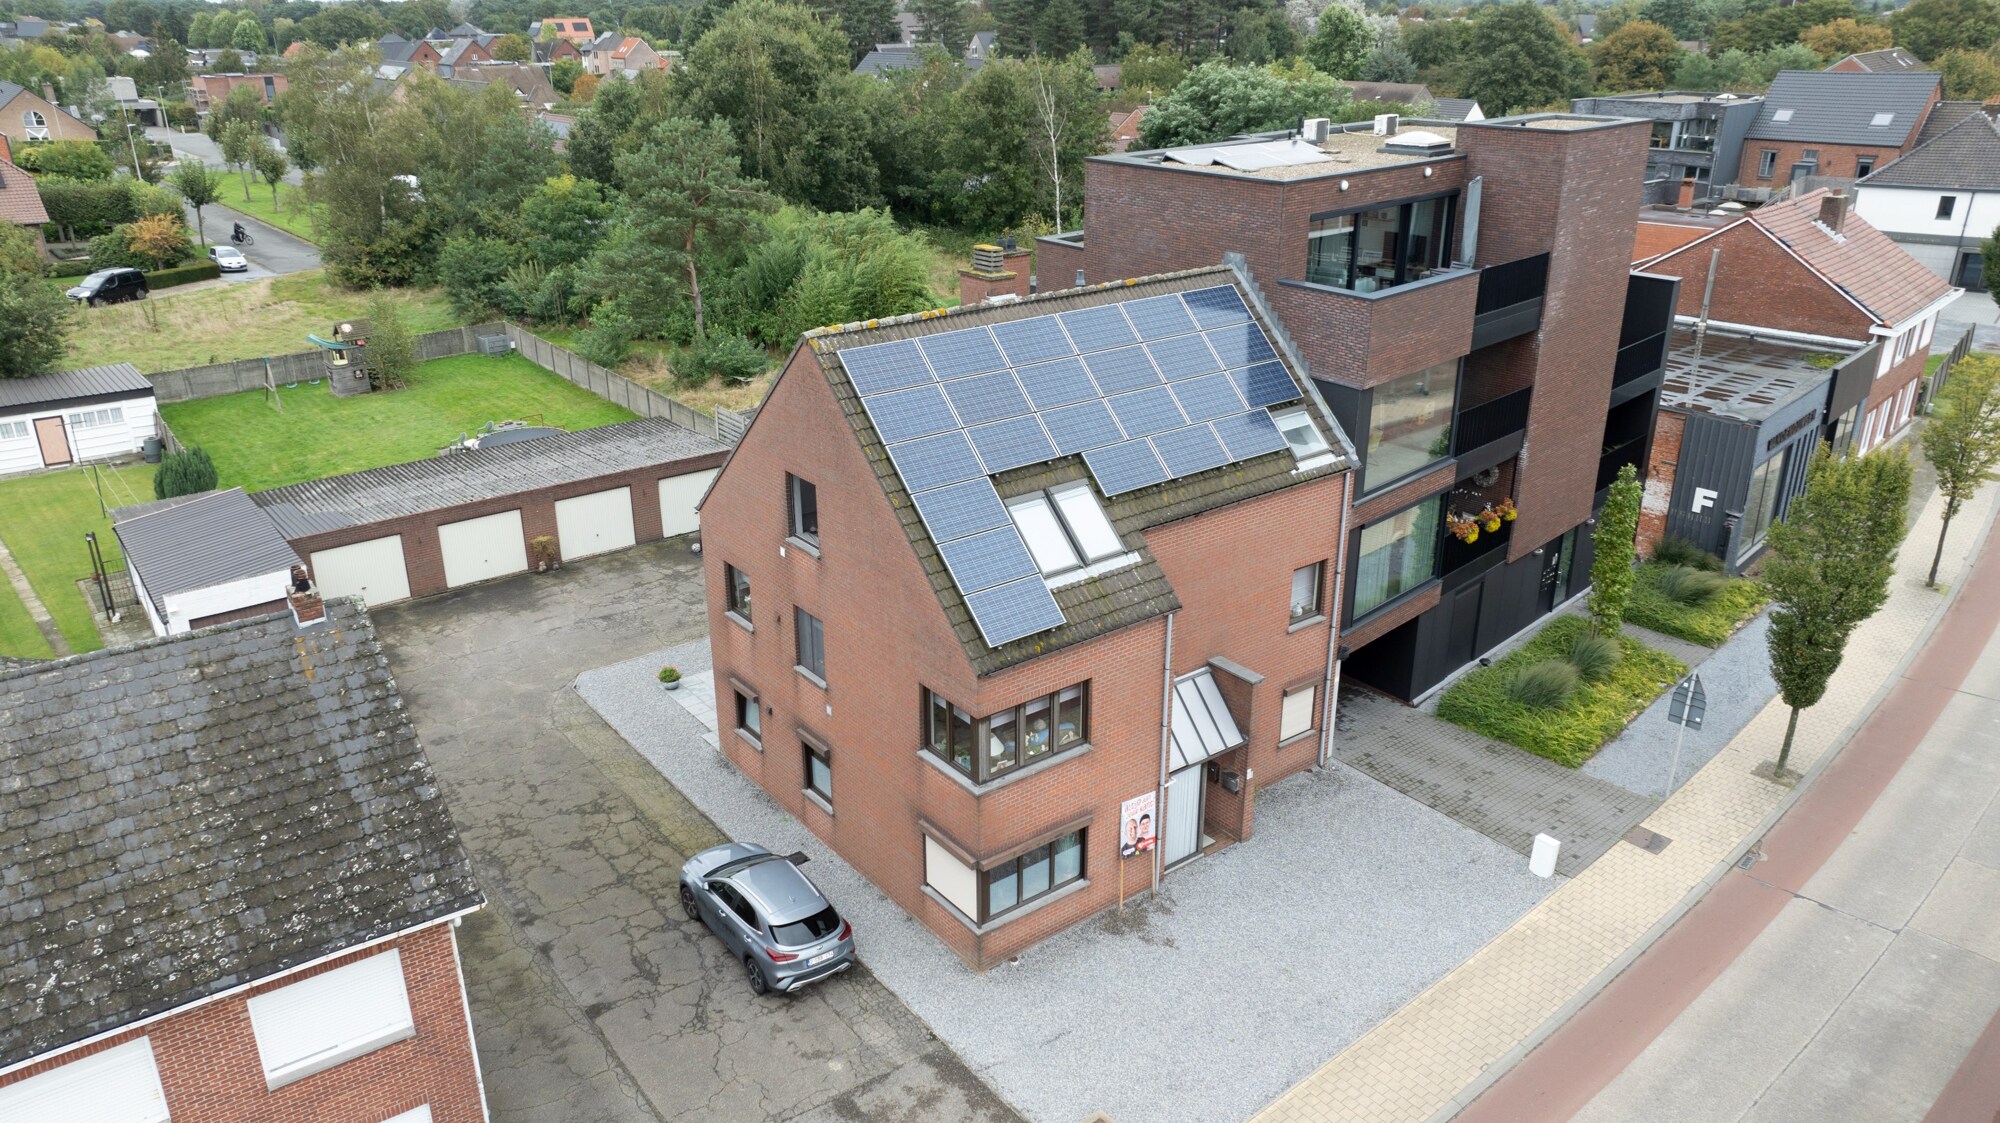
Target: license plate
[{"x": 822, "y": 957}]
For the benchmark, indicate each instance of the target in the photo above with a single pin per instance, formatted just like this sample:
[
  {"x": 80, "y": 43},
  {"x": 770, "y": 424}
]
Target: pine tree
[{"x": 184, "y": 473}]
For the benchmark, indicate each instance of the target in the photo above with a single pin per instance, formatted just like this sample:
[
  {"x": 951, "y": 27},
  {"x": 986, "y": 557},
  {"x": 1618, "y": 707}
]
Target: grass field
[
  {"x": 235, "y": 321},
  {"x": 18, "y": 635},
  {"x": 257, "y": 448},
  {"x": 290, "y": 215},
  {"x": 43, "y": 519}
]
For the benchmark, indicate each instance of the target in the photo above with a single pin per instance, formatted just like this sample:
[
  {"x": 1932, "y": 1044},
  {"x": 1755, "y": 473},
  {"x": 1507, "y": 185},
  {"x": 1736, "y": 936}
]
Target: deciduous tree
[
  {"x": 1968, "y": 75},
  {"x": 512, "y": 48},
  {"x": 1217, "y": 100},
  {"x": 1638, "y": 56},
  {"x": 198, "y": 185},
  {"x": 271, "y": 166},
  {"x": 239, "y": 143},
  {"x": 35, "y": 322},
  {"x": 1614, "y": 542},
  {"x": 1842, "y": 37},
  {"x": 1340, "y": 43},
  {"x": 1524, "y": 60},
  {"x": 160, "y": 239},
  {"x": 1962, "y": 438},
  {"x": 1929, "y": 28}
]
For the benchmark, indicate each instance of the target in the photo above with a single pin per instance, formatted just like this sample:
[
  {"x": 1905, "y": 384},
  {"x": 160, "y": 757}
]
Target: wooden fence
[
  {"x": 608, "y": 384},
  {"x": 1937, "y": 380},
  {"x": 216, "y": 379}
]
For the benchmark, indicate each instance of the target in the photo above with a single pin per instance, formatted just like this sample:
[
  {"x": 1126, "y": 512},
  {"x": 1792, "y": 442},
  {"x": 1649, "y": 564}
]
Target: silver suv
[{"x": 769, "y": 914}]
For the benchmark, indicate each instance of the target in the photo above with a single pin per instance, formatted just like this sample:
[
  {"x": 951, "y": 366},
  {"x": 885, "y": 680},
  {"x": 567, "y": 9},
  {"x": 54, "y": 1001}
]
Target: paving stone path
[{"x": 38, "y": 611}]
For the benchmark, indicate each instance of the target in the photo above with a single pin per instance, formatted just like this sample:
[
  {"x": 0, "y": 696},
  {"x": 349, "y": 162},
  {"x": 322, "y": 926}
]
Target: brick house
[
  {"x": 1461, "y": 296},
  {"x": 233, "y": 886},
  {"x": 210, "y": 90},
  {"x": 21, "y": 201},
  {"x": 1834, "y": 123},
  {"x": 26, "y": 116},
  {"x": 981, "y": 610},
  {"x": 571, "y": 29},
  {"x": 1891, "y": 60}
]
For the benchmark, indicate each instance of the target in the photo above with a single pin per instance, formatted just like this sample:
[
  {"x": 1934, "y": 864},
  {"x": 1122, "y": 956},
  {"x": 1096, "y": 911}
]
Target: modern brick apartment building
[
  {"x": 1835, "y": 123},
  {"x": 1462, "y": 299},
  {"x": 232, "y": 886},
  {"x": 1019, "y": 604}
]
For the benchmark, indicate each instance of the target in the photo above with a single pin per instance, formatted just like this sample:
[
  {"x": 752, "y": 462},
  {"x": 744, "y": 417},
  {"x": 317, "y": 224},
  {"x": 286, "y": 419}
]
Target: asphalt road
[{"x": 274, "y": 253}]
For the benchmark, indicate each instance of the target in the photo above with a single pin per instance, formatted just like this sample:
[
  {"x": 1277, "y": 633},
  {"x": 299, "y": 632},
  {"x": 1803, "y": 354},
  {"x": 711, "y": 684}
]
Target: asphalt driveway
[{"x": 592, "y": 999}]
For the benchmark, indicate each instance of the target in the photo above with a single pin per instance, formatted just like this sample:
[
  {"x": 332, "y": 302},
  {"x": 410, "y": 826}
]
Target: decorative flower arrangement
[
  {"x": 1463, "y": 527},
  {"x": 1506, "y": 509},
  {"x": 1466, "y": 528}
]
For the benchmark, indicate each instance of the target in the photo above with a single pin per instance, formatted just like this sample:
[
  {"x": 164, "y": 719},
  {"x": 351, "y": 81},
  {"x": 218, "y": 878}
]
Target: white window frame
[
  {"x": 1300, "y": 705},
  {"x": 97, "y": 418},
  {"x": 1308, "y": 444},
  {"x": 14, "y": 429},
  {"x": 1881, "y": 120},
  {"x": 1066, "y": 530},
  {"x": 297, "y": 1036}
]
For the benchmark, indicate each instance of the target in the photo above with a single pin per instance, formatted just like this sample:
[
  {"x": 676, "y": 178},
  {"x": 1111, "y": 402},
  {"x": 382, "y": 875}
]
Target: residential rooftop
[
  {"x": 1745, "y": 377},
  {"x": 1284, "y": 156}
]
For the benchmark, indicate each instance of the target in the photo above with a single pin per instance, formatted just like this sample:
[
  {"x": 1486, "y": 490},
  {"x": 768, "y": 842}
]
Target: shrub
[
  {"x": 1708, "y": 624},
  {"x": 1547, "y": 685},
  {"x": 608, "y": 338},
  {"x": 182, "y": 275},
  {"x": 732, "y": 358},
  {"x": 184, "y": 473},
  {"x": 1687, "y": 586},
  {"x": 392, "y": 352},
  {"x": 70, "y": 159},
  {"x": 1594, "y": 657},
  {"x": 1674, "y": 550},
  {"x": 69, "y": 268}
]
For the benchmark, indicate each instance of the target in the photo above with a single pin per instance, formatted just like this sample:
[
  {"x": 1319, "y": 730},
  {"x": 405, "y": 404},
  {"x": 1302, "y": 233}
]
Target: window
[
  {"x": 737, "y": 590},
  {"x": 37, "y": 125},
  {"x": 1398, "y": 554},
  {"x": 1767, "y": 163},
  {"x": 1296, "y": 716},
  {"x": 1382, "y": 247},
  {"x": 1881, "y": 120},
  {"x": 1409, "y": 424},
  {"x": 1301, "y": 434},
  {"x": 121, "y": 1083},
  {"x": 1809, "y": 156},
  {"x": 804, "y": 504},
  {"x": 1767, "y": 488},
  {"x": 1035, "y": 874},
  {"x": 986, "y": 748},
  {"x": 1782, "y": 115},
  {"x": 1863, "y": 165},
  {"x": 1663, "y": 134},
  {"x": 749, "y": 716},
  {"x": 955, "y": 881},
  {"x": 270, "y": 89},
  {"x": 1305, "y": 590},
  {"x": 818, "y": 770},
  {"x": 13, "y": 430},
  {"x": 1065, "y": 528},
  {"x": 94, "y": 418},
  {"x": 811, "y": 644},
  {"x": 1945, "y": 205},
  {"x": 315, "y": 1024}
]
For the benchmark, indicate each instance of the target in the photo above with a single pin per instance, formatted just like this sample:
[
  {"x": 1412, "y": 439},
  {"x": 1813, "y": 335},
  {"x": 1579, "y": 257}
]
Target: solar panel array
[{"x": 1147, "y": 391}]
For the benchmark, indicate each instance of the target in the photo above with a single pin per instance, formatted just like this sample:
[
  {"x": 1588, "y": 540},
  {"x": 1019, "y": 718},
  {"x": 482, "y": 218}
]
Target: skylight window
[
  {"x": 1782, "y": 115},
  {"x": 1301, "y": 434},
  {"x": 1881, "y": 120},
  {"x": 1065, "y": 528}
]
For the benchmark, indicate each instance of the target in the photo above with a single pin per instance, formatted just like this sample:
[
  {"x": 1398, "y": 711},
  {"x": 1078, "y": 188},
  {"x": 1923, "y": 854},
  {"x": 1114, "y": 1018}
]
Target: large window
[
  {"x": 818, "y": 771},
  {"x": 803, "y": 500},
  {"x": 811, "y": 644},
  {"x": 1409, "y": 424},
  {"x": 1398, "y": 554},
  {"x": 1380, "y": 248},
  {"x": 1767, "y": 487},
  {"x": 983, "y": 895},
  {"x": 738, "y": 591},
  {"x": 1065, "y": 528},
  {"x": 991, "y": 747},
  {"x": 312, "y": 1025}
]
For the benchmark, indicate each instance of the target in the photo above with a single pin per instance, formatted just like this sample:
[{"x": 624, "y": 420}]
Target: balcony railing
[
  {"x": 1459, "y": 563},
  {"x": 1488, "y": 433},
  {"x": 1629, "y": 451},
  {"x": 1639, "y": 358},
  {"x": 1510, "y": 300}
]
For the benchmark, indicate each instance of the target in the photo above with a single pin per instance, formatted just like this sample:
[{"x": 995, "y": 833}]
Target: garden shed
[
  {"x": 92, "y": 413},
  {"x": 205, "y": 559}
]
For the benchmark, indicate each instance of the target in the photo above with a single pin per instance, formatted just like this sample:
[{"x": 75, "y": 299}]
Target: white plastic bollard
[{"x": 1542, "y": 862}]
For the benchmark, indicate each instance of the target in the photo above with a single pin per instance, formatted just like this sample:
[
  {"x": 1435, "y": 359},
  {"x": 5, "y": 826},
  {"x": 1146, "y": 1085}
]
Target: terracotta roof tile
[
  {"x": 1876, "y": 272},
  {"x": 20, "y": 199}
]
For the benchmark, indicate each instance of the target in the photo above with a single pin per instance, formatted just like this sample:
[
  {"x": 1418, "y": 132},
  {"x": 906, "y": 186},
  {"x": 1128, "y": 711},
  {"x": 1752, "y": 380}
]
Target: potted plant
[
  {"x": 1489, "y": 519},
  {"x": 1506, "y": 509},
  {"x": 1463, "y": 527},
  {"x": 670, "y": 677}
]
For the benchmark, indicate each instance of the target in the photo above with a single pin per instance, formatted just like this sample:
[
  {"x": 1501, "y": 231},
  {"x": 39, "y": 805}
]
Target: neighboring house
[
  {"x": 1942, "y": 200},
  {"x": 125, "y": 92},
  {"x": 1457, "y": 109},
  {"x": 211, "y": 90},
  {"x": 573, "y": 29},
  {"x": 597, "y": 53},
  {"x": 1413, "y": 94},
  {"x": 1696, "y": 137},
  {"x": 1894, "y": 60},
  {"x": 21, "y": 201},
  {"x": 560, "y": 124},
  {"x": 201, "y": 560},
  {"x": 26, "y": 116},
  {"x": 296, "y": 48},
  {"x": 1834, "y": 124},
  {"x": 92, "y": 413},
  {"x": 529, "y": 82},
  {"x": 1108, "y": 76},
  {"x": 1005, "y": 530},
  {"x": 555, "y": 49},
  {"x": 233, "y": 886},
  {"x": 398, "y": 51},
  {"x": 455, "y": 53},
  {"x": 626, "y": 55},
  {"x": 1125, "y": 128},
  {"x": 1945, "y": 114},
  {"x": 887, "y": 57}
]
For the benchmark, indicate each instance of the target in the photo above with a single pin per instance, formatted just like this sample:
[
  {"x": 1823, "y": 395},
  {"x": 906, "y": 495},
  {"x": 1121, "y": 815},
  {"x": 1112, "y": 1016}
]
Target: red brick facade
[
  {"x": 211, "y": 1072},
  {"x": 1834, "y": 159},
  {"x": 1663, "y": 467},
  {"x": 1761, "y": 283}
]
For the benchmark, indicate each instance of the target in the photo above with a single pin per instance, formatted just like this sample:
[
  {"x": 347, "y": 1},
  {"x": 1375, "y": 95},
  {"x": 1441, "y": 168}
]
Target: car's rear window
[{"x": 818, "y": 926}]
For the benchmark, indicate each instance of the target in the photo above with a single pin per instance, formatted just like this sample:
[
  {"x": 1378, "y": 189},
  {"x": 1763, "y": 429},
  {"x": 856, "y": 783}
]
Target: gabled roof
[
  {"x": 1966, "y": 156},
  {"x": 116, "y": 380},
  {"x": 1861, "y": 261},
  {"x": 1840, "y": 108},
  {"x": 1945, "y": 114},
  {"x": 20, "y": 199},
  {"x": 193, "y": 814},
  {"x": 1457, "y": 109},
  {"x": 197, "y": 541},
  {"x": 398, "y": 52},
  {"x": 1893, "y": 60}
]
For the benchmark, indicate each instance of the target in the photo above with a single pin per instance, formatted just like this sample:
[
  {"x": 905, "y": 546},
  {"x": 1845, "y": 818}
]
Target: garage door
[
  {"x": 477, "y": 549},
  {"x": 119, "y": 1085},
  {"x": 595, "y": 523},
  {"x": 678, "y": 495},
  {"x": 372, "y": 570}
]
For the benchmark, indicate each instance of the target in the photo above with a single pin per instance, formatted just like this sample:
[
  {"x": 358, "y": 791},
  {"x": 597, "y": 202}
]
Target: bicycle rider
[{"x": 238, "y": 234}]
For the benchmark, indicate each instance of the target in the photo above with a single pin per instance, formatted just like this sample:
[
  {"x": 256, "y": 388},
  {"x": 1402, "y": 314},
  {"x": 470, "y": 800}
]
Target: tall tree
[
  {"x": 1217, "y": 100},
  {"x": 1929, "y": 28},
  {"x": 1615, "y": 542},
  {"x": 1687, "y": 19},
  {"x": 240, "y": 141},
  {"x": 1842, "y": 37},
  {"x": 1638, "y": 56},
  {"x": 1968, "y": 75},
  {"x": 868, "y": 22},
  {"x": 512, "y": 48},
  {"x": 271, "y": 166},
  {"x": 1828, "y": 570},
  {"x": 1762, "y": 29},
  {"x": 1340, "y": 43},
  {"x": 1962, "y": 438},
  {"x": 35, "y": 322},
  {"x": 199, "y": 186},
  {"x": 942, "y": 22},
  {"x": 1525, "y": 60}
]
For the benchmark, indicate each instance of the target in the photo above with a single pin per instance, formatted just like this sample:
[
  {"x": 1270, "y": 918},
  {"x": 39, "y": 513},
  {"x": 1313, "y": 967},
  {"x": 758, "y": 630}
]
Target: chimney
[
  {"x": 1833, "y": 211},
  {"x": 1687, "y": 194},
  {"x": 998, "y": 270},
  {"x": 307, "y": 608}
]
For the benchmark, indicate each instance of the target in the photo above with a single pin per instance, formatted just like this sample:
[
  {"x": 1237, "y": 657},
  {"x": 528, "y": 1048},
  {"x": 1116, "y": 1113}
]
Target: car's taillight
[
  {"x": 846, "y": 929},
  {"x": 779, "y": 956}
]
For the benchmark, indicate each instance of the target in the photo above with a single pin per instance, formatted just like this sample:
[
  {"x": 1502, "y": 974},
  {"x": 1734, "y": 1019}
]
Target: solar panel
[
  {"x": 1215, "y": 307},
  {"x": 1058, "y": 383},
  {"x": 1016, "y": 609},
  {"x": 908, "y": 414},
  {"x": 988, "y": 397},
  {"x": 1144, "y": 412},
  {"x": 1266, "y": 384},
  {"x": 1183, "y": 357},
  {"x": 1098, "y": 329},
  {"x": 1085, "y": 426},
  {"x": 1240, "y": 345},
  {"x": 1249, "y": 434},
  {"x": 935, "y": 461},
  {"x": 1127, "y": 467},
  {"x": 1208, "y": 397},
  {"x": 959, "y": 509},
  {"x": 985, "y": 560},
  {"x": 1010, "y": 444},
  {"x": 1127, "y": 368},
  {"x": 1032, "y": 341},
  {"x": 956, "y": 354},
  {"x": 1158, "y": 317},
  {"x": 885, "y": 366},
  {"x": 1190, "y": 450}
]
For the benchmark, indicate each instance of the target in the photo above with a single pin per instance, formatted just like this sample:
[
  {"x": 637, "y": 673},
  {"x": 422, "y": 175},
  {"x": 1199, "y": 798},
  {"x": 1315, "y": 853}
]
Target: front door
[
  {"x": 54, "y": 441},
  {"x": 1180, "y": 839},
  {"x": 1972, "y": 272}
]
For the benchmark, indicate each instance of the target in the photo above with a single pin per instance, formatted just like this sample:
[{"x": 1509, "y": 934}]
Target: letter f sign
[{"x": 1704, "y": 498}]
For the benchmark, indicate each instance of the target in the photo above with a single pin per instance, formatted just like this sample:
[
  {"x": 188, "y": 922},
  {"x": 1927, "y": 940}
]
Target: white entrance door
[
  {"x": 594, "y": 524},
  {"x": 372, "y": 570},
  {"x": 678, "y": 495},
  {"x": 476, "y": 549},
  {"x": 1181, "y": 838}
]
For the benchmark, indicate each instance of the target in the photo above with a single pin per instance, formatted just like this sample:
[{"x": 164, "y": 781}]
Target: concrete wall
[
  {"x": 217, "y": 379},
  {"x": 1909, "y": 215},
  {"x": 608, "y": 384}
]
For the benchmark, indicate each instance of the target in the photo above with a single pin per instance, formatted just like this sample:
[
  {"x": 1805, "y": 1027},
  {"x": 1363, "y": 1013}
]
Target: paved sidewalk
[{"x": 1429, "y": 1059}]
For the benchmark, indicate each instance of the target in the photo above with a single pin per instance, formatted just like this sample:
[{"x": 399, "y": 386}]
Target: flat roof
[
  {"x": 1745, "y": 377},
  {"x": 1359, "y": 150}
]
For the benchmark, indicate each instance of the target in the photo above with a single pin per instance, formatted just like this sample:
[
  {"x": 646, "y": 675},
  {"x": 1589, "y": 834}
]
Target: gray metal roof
[
  {"x": 189, "y": 815},
  {"x": 1965, "y": 156},
  {"x": 488, "y": 473},
  {"x": 1453, "y": 108},
  {"x": 84, "y": 382},
  {"x": 1836, "y": 108},
  {"x": 1740, "y": 377},
  {"x": 195, "y": 541}
]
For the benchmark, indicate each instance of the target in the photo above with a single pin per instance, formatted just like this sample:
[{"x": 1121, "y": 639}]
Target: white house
[
  {"x": 1940, "y": 200},
  {"x": 95, "y": 413},
  {"x": 201, "y": 560}
]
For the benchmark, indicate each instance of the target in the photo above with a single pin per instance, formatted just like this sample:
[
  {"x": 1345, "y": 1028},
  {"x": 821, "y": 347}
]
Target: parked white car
[{"x": 229, "y": 259}]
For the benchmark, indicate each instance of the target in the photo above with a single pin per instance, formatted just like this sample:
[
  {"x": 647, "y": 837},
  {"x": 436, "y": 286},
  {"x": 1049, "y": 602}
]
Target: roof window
[
  {"x": 1881, "y": 120},
  {"x": 1065, "y": 528},
  {"x": 1302, "y": 435},
  {"x": 1782, "y": 115}
]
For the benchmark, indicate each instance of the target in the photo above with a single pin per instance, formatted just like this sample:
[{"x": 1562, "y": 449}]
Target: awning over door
[{"x": 1202, "y": 723}]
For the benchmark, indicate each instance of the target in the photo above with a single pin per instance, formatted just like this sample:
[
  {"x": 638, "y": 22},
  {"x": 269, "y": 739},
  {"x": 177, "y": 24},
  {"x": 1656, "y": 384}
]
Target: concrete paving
[
  {"x": 1736, "y": 678},
  {"x": 592, "y": 998}
]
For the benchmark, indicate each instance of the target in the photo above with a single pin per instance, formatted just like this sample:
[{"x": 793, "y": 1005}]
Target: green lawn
[
  {"x": 1707, "y": 624},
  {"x": 18, "y": 635},
  {"x": 257, "y": 448},
  {"x": 43, "y": 519},
  {"x": 1572, "y": 734},
  {"x": 290, "y": 214},
  {"x": 235, "y": 321}
]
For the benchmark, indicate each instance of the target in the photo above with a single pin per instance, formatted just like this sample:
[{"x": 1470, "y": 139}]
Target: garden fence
[
  {"x": 1937, "y": 380},
  {"x": 609, "y": 385},
  {"x": 216, "y": 379}
]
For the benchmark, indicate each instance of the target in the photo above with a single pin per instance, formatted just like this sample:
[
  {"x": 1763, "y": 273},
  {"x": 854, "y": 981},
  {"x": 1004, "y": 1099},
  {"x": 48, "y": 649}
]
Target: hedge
[
  {"x": 1596, "y": 713},
  {"x": 183, "y": 275},
  {"x": 77, "y": 268},
  {"x": 1708, "y": 624}
]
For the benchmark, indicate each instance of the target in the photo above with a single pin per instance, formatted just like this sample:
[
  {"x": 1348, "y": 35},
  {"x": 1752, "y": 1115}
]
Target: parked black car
[{"x": 109, "y": 286}]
